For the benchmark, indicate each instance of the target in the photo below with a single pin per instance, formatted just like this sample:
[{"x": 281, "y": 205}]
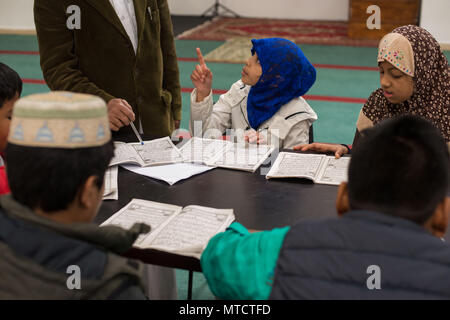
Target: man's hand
[
  {"x": 201, "y": 78},
  {"x": 120, "y": 114}
]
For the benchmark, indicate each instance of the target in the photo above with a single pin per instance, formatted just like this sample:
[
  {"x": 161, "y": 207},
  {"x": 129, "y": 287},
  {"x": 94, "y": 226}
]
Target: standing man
[
  {"x": 120, "y": 50},
  {"x": 124, "y": 52}
]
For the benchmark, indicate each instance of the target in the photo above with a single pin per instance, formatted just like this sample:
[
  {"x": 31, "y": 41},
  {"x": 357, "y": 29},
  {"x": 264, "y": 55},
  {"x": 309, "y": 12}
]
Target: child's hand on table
[
  {"x": 337, "y": 149},
  {"x": 252, "y": 136}
]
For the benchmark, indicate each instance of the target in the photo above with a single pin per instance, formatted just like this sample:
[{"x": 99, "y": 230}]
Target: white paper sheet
[
  {"x": 111, "y": 188},
  {"x": 171, "y": 173},
  {"x": 247, "y": 157},
  {"x": 318, "y": 168}
]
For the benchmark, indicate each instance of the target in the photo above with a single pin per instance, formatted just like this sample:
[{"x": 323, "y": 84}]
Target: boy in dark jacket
[{"x": 59, "y": 147}]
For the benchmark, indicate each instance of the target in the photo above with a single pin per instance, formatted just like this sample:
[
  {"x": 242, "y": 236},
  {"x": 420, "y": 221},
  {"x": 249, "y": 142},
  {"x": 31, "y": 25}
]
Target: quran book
[{"x": 321, "y": 169}]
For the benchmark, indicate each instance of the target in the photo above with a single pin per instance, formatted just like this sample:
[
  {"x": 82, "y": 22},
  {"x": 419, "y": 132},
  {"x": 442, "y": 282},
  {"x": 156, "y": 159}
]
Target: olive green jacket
[
  {"x": 99, "y": 57},
  {"x": 36, "y": 254}
]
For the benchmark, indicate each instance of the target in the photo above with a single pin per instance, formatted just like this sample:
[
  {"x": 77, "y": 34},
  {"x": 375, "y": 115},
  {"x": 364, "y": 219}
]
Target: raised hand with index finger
[{"x": 201, "y": 78}]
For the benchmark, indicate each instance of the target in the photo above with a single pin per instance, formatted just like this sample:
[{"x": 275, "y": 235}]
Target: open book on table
[
  {"x": 111, "y": 191},
  {"x": 151, "y": 153},
  {"x": 318, "y": 168},
  {"x": 184, "y": 231},
  {"x": 225, "y": 154}
]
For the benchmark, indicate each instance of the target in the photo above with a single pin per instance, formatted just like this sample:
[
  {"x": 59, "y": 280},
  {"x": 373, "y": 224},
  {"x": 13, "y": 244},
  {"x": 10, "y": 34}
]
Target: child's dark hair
[
  {"x": 10, "y": 84},
  {"x": 50, "y": 178},
  {"x": 401, "y": 168}
]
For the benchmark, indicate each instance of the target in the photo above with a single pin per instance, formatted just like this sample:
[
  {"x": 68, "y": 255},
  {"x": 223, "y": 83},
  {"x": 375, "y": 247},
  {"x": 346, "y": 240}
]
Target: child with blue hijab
[{"x": 266, "y": 104}]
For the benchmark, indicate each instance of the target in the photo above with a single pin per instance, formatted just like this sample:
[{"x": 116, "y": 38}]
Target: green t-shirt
[{"x": 240, "y": 265}]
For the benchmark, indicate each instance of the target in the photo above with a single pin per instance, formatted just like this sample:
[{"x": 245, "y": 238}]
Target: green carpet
[
  {"x": 336, "y": 120},
  {"x": 18, "y": 42},
  {"x": 200, "y": 289}
]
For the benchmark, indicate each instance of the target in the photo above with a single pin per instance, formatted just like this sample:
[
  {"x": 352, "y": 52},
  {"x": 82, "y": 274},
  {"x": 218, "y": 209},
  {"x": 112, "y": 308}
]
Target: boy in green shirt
[
  {"x": 59, "y": 147},
  {"x": 394, "y": 211}
]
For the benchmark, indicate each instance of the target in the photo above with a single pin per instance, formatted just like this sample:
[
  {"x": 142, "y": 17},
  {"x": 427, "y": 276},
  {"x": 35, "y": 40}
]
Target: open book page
[
  {"x": 296, "y": 165},
  {"x": 154, "y": 214},
  {"x": 318, "y": 168},
  {"x": 170, "y": 173},
  {"x": 334, "y": 171},
  {"x": 247, "y": 157},
  {"x": 188, "y": 233},
  {"x": 200, "y": 150},
  {"x": 125, "y": 153},
  {"x": 157, "y": 152},
  {"x": 111, "y": 189}
]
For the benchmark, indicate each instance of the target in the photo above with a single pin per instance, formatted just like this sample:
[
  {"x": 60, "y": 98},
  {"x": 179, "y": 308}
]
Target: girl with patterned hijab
[
  {"x": 414, "y": 78},
  {"x": 266, "y": 104}
]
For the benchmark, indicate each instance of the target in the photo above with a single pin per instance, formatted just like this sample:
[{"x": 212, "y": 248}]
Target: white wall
[
  {"x": 435, "y": 18},
  {"x": 287, "y": 9},
  {"x": 16, "y": 14}
]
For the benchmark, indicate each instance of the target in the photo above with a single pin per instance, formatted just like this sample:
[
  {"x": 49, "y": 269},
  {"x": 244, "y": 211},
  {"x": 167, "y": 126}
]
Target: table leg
[{"x": 191, "y": 276}]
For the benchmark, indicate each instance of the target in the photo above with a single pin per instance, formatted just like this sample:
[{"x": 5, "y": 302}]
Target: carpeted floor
[
  {"x": 310, "y": 32},
  {"x": 346, "y": 75}
]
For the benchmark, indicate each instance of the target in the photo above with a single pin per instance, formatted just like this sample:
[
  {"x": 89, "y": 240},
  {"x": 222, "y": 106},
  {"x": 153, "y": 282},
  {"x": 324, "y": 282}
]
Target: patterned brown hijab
[{"x": 431, "y": 75}]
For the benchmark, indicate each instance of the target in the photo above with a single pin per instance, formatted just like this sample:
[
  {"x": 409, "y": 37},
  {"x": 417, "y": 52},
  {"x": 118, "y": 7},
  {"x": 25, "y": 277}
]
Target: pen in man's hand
[{"x": 136, "y": 133}]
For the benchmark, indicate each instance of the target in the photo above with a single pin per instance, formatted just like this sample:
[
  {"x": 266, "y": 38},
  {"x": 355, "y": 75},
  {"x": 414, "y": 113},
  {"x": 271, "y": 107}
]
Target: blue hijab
[{"x": 286, "y": 74}]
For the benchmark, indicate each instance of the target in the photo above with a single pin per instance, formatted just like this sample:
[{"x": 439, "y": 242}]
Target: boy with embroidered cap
[
  {"x": 414, "y": 79},
  {"x": 59, "y": 148},
  {"x": 265, "y": 106},
  {"x": 393, "y": 211}
]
